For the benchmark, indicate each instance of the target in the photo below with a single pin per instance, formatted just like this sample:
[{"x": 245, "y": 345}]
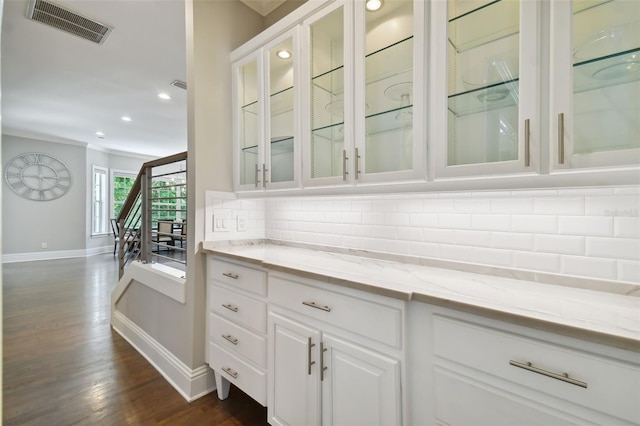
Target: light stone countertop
[{"x": 608, "y": 318}]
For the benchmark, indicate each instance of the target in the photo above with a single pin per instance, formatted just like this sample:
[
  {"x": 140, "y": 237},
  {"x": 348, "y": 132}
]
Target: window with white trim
[{"x": 99, "y": 200}]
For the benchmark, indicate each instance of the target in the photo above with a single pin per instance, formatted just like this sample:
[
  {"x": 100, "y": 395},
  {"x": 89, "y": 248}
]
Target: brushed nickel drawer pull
[
  {"x": 230, "y": 275},
  {"x": 563, "y": 377},
  {"x": 230, "y": 307},
  {"x": 230, "y": 338},
  {"x": 230, "y": 372},
  {"x": 309, "y": 362},
  {"x": 315, "y": 305}
]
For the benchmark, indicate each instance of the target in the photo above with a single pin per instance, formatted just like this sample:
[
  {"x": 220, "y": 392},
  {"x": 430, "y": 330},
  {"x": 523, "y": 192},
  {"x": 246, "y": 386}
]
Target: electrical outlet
[
  {"x": 221, "y": 220},
  {"x": 44, "y": 245}
]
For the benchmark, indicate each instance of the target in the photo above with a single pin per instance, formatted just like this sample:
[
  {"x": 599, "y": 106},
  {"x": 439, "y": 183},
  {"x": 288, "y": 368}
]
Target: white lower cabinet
[
  {"x": 323, "y": 374},
  {"x": 488, "y": 372}
]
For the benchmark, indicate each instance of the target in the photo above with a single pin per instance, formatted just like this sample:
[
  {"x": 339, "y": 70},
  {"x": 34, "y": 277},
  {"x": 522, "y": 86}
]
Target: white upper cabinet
[
  {"x": 266, "y": 96},
  {"x": 595, "y": 82},
  {"x": 389, "y": 80},
  {"x": 485, "y": 87},
  {"x": 328, "y": 71}
]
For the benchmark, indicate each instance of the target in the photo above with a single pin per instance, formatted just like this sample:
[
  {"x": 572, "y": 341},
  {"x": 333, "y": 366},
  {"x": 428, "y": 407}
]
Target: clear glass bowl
[{"x": 491, "y": 71}]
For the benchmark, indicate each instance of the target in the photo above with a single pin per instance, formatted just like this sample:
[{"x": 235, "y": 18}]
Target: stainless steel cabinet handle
[
  {"x": 315, "y": 305},
  {"x": 322, "y": 366},
  {"x": 264, "y": 175},
  {"x": 230, "y": 275},
  {"x": 230, "y": 372},
  {"x": 357, "y": 163},
  {"x": 344, "y": 164},
  {"x": 230, "y": 338},
  {"x": 527, "y": 143},
  {"x": 561, "y": 138},
  {"x": 309, "y": 362},
  {"x": 256, "y": 176},
  {"x": 563, "y": 377},
  {"x": 230, "y": 307}
]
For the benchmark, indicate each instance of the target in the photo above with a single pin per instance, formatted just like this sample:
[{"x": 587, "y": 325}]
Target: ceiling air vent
[
  {"x": 65, "y": 20},
  {"x": 180, "y": 84}
]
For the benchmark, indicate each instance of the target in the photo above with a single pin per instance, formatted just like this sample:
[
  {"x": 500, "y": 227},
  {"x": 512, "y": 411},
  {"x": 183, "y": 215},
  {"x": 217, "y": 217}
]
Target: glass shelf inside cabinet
[
  {"x": 279, "y": 145},
  {"x": 391, "y": 120},
  {"x": 475, "y": 23},
  {"x": 389, "y": 61},
  {"x": 331, "y": 81},
  {"x": 251, "y": 107},
  {"x": 619, "y": 68},
  {"x": 495, "y": 96},
  {"x": 333, "y": 132},
  {"x": 282, "y": 101}
]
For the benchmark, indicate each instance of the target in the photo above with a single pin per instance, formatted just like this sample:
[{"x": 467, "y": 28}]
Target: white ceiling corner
[{"x": 263, "y": 7}]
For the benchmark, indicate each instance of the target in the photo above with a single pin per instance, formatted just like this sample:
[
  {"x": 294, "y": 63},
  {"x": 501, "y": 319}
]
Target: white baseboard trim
[
  {"x": 191, "y": 384},
  {"x": 53, "y": 255}
]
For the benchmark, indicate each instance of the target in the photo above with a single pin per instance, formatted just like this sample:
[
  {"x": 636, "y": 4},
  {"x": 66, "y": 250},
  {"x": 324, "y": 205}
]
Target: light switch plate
[{"x": 241, "y": 222}]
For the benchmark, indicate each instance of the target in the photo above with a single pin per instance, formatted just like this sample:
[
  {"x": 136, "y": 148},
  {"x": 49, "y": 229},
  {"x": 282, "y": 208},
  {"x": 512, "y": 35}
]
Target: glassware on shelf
[
  {"x": 489, "y": 73},
  {"x": 401, "y": 92},
  {"x": 616, "y": 48}
]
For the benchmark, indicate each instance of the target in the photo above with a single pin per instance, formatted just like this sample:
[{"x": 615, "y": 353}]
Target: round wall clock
[{"x": 36, "y": 176}]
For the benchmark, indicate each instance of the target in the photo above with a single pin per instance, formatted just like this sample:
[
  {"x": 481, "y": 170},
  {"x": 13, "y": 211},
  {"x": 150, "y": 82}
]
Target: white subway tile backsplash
[
  {"x": 491, "y": 222},
  {"x": 494, "y": 257},
  {"x": 629, "y": 271},
  {"x": 472, "y": 238},
  {"x": 454, "y": 221},
  {"x": 599, "y": 226},
  {"x": 589, "y": 232},
  {"x": 573, "y": 206},
  {"x": 512, "y": 241},
  {"x": 589, "y": 267},
  {"x": 613, "y": 248},
  {"x": 429, "y": 250},
  {"x": 613, "y": 206},
  {"x": 512, "y": 205},
  {"x": 409, "y": 234},
  {"x": 626, "y": 227},
  {"x": 536, "y": 261},
  {"x": 472, "y": 205},
  {"x": 563, "y": 244},
  {"x": 534, "y": 224}
]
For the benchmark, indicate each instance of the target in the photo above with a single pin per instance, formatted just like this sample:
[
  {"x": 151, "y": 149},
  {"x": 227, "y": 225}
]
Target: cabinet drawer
[
  {"x": 239, "y": 276},
  {"x": 612, "y": 387},
  {"x": 373, "y": 320},
  {"x": 238, "y": 308},
  {"x": 238, "y": 339},
  {"x": 251, "y": 380}
]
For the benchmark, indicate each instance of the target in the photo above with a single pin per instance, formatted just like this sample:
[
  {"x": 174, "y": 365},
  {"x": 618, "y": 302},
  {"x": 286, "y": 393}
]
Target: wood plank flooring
[{"x": 64, "y": 365}]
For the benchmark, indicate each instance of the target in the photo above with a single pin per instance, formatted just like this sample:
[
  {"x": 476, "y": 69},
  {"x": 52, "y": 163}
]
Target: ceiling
[{"x": 59, "y": 87}]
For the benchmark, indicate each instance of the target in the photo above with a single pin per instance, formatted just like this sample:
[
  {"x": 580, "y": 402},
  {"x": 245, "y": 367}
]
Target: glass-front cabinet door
[
  {"x": 389, "y": 76},
  {"x": 247, "y": 103},
  {"x": 489, "y": 54},
  {"x": 281, "y": 165},
  {"x": 329, "y": 63},
  {"x": 595, "y": 83},
  {"x": 266, "y": 119}
]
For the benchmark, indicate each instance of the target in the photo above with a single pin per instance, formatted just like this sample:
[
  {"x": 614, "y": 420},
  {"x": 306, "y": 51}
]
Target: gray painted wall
[{"x": 64, "y": 224}]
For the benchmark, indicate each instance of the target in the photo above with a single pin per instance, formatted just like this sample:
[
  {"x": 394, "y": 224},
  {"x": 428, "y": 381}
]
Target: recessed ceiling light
[
  {"x": 283, "y": 54},
  {"x": 164, "y": 96},
  {"x": 100, "y": 134},
  {"x": 125, "y": 118},
  {"x": 373, "y": 5}
]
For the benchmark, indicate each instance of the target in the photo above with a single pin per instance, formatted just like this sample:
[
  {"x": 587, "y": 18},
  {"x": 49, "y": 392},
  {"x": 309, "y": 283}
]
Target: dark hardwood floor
[{"x": 64, "y": 365}]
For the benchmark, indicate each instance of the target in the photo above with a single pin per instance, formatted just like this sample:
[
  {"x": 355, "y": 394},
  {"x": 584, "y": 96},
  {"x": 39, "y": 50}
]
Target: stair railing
[{"x": 159, "y": 194}]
